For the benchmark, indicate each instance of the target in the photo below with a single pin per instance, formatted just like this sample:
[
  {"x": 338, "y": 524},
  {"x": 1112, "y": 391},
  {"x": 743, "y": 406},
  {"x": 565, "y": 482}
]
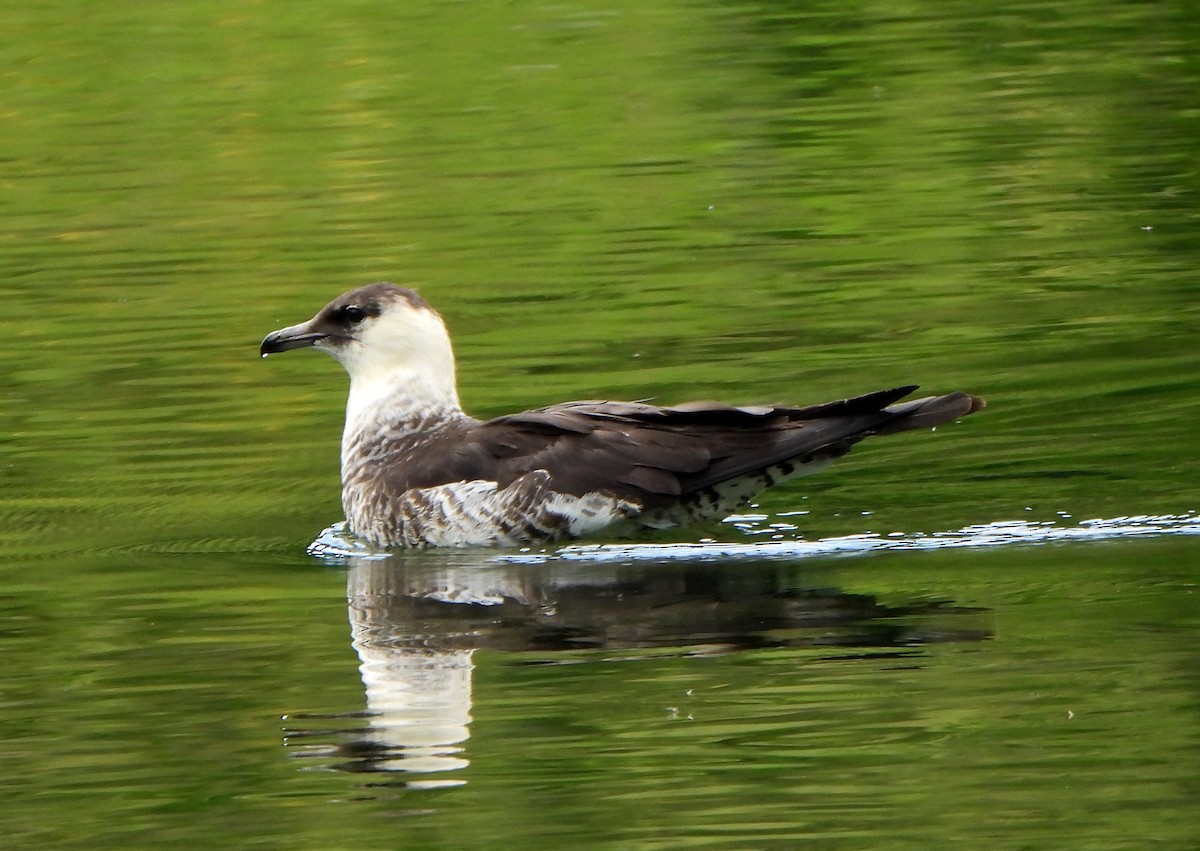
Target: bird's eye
[{"x": 353, "y": 313}]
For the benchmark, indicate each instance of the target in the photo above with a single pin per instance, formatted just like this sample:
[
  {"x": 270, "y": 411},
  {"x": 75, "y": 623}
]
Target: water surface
[{"x": 983, "y": 636}]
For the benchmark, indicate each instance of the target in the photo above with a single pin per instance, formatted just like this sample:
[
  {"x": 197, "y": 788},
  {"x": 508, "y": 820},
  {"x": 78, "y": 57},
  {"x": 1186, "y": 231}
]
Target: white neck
[
  {"x": 401, "y": 373},
  {"x": 383, "y": 411},
  {"x": 398, "y": 396}
]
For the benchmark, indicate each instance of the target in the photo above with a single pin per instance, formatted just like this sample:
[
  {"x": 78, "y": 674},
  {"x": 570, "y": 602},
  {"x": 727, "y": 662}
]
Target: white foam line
[
  {"x": 335, "y": 544},
  {"x": 1000, "y": 533}
]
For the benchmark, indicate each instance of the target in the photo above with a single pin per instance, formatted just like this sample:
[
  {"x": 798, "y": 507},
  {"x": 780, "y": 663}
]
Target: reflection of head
[
  {"x": 418, "y": 688},
  {"x": 419, "y": 702}
]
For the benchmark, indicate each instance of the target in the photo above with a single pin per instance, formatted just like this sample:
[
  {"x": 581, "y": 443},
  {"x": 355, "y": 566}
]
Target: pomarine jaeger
[{"x": 418, "y": 472}]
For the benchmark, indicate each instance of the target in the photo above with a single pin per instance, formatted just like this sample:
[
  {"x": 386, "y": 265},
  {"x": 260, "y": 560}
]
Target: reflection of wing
[{"x": 471, "y": 600}]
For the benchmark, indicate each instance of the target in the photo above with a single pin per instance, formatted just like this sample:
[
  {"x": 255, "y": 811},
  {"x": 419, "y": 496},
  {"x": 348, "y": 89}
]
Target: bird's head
[{"x": 383, "y": 335}]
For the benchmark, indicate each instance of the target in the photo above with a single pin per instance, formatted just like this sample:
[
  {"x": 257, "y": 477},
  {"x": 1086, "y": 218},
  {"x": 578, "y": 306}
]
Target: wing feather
[{"x": 652, "y": 454}]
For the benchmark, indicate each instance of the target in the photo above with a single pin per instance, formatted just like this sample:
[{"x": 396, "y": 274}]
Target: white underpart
[
  {"x": 591, "y": 512},
  {"x": 479, "y": 513}
]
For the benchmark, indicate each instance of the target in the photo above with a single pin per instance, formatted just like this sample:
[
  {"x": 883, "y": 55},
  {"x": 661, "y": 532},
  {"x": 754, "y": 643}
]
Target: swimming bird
[{"x": 418, "y": 472}]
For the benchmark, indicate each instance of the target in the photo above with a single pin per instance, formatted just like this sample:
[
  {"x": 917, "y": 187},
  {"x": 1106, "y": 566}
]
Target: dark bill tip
[{"x": 286, "y": 340}]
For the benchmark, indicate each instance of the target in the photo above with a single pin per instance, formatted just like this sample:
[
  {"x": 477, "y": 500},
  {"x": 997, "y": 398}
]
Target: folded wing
[{"x": 657, "y": 455}]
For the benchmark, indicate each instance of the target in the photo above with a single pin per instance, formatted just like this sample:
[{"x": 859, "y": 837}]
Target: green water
[{"x": 780, "y": 202}]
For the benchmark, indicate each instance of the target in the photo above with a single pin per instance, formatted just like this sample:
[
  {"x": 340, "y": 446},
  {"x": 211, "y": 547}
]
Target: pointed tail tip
[
  {"x": 973, "y": 403},
  {"x": 931, "y": 411},
  {"x": 959, "y": 404}
]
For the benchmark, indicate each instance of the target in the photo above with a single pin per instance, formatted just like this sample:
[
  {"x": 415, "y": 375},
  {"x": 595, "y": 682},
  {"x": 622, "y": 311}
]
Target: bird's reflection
[{"x": 417, "y": 619}]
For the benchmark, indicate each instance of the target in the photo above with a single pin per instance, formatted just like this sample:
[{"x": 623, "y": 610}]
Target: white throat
[
  {"x": 397, "y": 395},
  {"x": 401, "y": 370}
]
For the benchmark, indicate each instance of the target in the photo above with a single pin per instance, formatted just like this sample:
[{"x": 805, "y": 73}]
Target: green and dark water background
[{"x": 747, "y": 202}]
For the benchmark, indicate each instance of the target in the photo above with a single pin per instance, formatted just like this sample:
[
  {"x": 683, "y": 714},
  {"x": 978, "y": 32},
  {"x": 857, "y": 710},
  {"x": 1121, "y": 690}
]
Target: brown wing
[{"x": 652, "y": 454}]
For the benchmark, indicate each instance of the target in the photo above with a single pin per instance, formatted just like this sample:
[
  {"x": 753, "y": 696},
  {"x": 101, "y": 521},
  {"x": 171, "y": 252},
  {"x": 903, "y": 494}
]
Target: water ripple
[{"x": 336, "y": 543}]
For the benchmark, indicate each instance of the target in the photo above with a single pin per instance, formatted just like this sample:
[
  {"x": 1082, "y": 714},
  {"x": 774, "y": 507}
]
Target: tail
[{"x": 800, "y": 436}]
